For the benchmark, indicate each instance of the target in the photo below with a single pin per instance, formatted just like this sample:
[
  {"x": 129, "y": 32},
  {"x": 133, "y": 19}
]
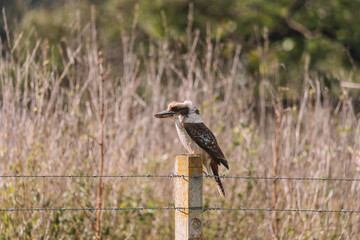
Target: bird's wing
[{"x": 206, "y": 140}]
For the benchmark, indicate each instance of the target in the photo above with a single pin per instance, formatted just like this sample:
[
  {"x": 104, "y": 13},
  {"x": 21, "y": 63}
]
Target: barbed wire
[
  {"x": 184, "y": 176},
  {"x": 179, "y": 209}
]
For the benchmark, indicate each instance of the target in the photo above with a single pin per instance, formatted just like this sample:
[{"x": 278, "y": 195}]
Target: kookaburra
[{"x": 196, "y": 137}]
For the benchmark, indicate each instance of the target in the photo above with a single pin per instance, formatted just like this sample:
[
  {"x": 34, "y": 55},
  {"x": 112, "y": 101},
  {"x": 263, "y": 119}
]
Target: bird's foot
[{"x": 206, "y": 175}]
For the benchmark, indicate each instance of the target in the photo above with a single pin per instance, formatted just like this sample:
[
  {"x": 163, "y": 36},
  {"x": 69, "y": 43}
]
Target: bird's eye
[
  {"x": 184, "y": 111},
  {"x": 174, "y": 109}
]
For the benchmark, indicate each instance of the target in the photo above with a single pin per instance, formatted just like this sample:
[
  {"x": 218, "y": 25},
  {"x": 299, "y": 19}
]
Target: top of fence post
[{"x": 188, "y": 195}]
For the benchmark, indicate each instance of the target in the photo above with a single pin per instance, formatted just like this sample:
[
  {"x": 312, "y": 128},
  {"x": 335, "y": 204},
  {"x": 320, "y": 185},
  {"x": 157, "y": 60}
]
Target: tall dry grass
[{"x": 50, "y": 124}]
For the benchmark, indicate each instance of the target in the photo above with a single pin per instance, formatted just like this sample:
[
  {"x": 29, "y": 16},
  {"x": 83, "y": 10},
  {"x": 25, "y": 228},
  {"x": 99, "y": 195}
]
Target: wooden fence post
[{"x": 188, "y": 194}]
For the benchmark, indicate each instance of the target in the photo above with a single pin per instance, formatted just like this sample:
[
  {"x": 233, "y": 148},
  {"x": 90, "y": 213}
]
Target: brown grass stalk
[
  {"x": 99, "y": 195},
  {"x": 277, "y": 105}
]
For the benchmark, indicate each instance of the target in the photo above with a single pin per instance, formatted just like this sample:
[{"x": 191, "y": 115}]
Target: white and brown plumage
[{"x": 196, "y": 137}]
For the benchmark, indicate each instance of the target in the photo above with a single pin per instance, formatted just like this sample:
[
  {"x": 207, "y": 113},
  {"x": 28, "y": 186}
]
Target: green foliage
[{"x": 326, "y": 31}]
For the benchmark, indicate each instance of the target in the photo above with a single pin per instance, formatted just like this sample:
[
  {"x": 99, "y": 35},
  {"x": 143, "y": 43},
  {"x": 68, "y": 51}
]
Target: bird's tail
[
  {"x": 218, "y": 181},
  {"x": 220, "y": 187}
]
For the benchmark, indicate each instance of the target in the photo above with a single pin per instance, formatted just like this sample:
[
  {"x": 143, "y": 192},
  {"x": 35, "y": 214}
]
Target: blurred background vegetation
[
  {"x": 276, "y": 81},
  {"x": 327, "y": 31}
]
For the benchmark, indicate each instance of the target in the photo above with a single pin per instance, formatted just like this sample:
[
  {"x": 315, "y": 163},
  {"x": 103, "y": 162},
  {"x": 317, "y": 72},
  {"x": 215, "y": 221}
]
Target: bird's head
[{"x": 181, "y": 110}]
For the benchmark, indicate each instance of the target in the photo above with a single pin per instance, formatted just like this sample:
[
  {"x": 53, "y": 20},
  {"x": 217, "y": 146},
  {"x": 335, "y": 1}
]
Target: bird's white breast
[
  {"x": 190, "y": 145},
  {"x": 186, "y": 140}
]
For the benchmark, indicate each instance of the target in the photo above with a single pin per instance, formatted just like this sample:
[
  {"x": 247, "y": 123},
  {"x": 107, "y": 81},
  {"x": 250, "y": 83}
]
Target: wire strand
[
  {"x": 179, "y": 209},
  {"x": 183, "y": 176}
]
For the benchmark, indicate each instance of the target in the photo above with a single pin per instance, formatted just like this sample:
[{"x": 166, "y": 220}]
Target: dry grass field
[{"x": 50, "y": 124}]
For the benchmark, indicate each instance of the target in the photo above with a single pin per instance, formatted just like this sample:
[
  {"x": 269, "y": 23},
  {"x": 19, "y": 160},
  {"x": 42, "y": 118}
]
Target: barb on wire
[
  {"x": 183, "y": 176},
  {"x": 179, "y": 209}
]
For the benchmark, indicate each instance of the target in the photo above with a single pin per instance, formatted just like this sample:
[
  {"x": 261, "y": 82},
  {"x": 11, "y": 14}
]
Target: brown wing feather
[{"x": 206, "y": 140}]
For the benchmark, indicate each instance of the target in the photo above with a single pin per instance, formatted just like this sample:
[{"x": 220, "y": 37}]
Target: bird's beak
[{"x": 164, "y": 114}]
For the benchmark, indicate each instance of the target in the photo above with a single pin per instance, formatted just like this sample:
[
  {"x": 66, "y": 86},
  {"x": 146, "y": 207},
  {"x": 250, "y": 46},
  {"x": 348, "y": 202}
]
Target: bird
[{"x": 196, "y": 137}]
